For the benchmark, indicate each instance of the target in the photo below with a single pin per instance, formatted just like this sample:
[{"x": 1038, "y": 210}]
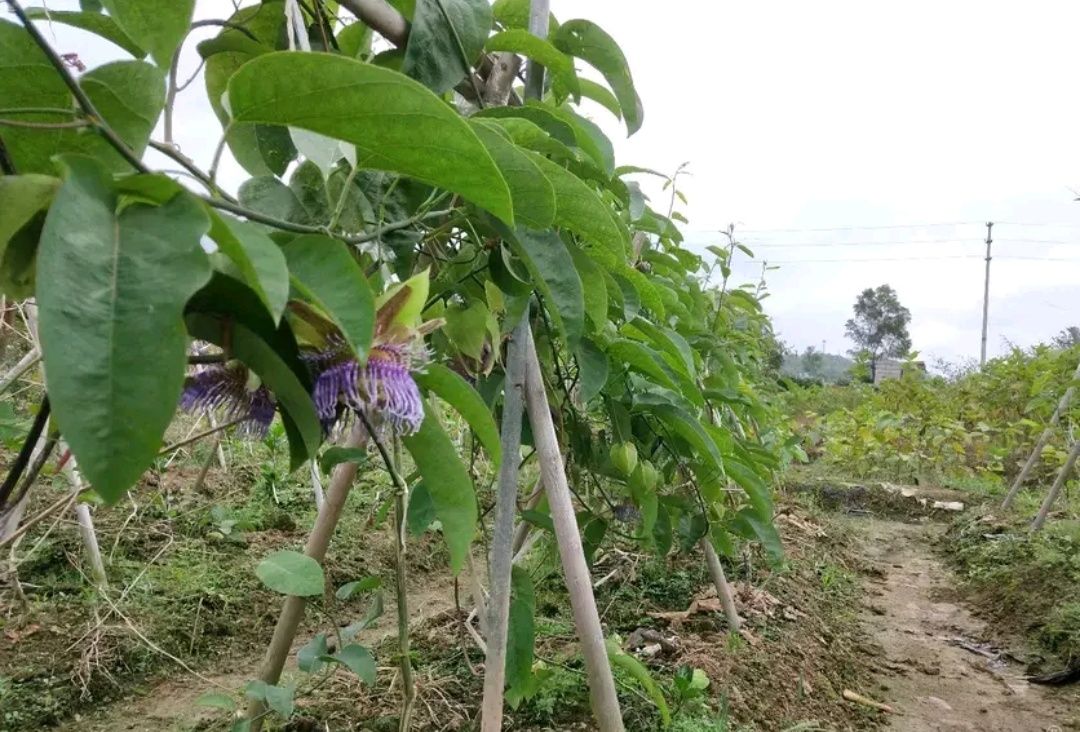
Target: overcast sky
[{"x": 857, "y": 127}]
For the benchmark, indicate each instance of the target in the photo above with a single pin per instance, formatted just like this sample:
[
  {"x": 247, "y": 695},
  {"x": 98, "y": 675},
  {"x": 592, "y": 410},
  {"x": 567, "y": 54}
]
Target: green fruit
[{"x": 624, "y": 458}]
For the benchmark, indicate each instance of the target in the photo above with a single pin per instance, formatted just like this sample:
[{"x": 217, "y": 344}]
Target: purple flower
[
  {"x": 231, "y": 388},
  {"x": 383, "y": 389}
]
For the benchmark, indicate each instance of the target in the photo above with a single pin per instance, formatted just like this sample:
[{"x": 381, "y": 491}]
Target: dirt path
[{"x": 935, "y": 671}]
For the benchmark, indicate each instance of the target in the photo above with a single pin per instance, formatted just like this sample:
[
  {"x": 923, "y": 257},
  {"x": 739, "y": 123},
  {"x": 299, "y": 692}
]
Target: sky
[{"x": 851, "y": 144}]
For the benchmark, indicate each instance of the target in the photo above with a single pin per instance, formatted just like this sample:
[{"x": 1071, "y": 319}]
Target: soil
[{"x": 938, "y": 672}]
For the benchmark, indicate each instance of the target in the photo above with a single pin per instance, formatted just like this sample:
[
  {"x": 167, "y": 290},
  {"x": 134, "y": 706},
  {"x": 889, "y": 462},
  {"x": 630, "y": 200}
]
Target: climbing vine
[{"x": 410, "y": 212}]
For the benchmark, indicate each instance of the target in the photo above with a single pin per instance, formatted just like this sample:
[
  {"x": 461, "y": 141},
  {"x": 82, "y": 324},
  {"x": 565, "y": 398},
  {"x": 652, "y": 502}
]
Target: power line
[
  {"x": 921, "y": 259},
  {"x": 898, "y": 242},
  {"x": 862, "y": 228}
]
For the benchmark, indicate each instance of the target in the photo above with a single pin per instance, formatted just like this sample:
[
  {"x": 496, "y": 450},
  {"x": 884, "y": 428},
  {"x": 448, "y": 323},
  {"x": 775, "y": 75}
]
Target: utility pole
[{"x": 986, "y": 293}]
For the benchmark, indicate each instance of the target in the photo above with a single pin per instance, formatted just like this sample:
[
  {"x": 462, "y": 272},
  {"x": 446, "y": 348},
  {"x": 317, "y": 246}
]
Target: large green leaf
[
  {"x": 521, "y": 631},
  {"x": 129, "y": 95},
  {"x": 519, "y": 40},
  {"x": 591, "y": 90},
  {"x": 593, "y": 370},
  {"x": 554, "y": 275},
  {"x": 96, "y": 23},
  {"x": 156, "y": 26},
  {"x": 540, "y": 116},
  {"x": 268, "y": 195},
  {"x": 291, "y": 573},
  {"x": 638, "y": 357},
  {"x": 446, "y": 38},
  {"x": 533, "y": 194},
  {"x": 580, "y": 209},
  {"x": 257, "y": 257},
  {"x": 596, "y": 298},
  {"x": 466, "y": 327},
  {"x": 326, "y": 273},
  {"x": 589, "y": 138},
  {"x": 589, "y": 42},
  {"x": 260, "y": 149},
  {"x": 640, "y": 674},
  {"x": 455, "y": 391},
  {"x": 448, "y": 484},
  {"x": 755, "y": 487},
  {"x": 357, "y": 659},
  {"x": 689, "y": 428},
  {"x": 112, "y": 285},
  {"x": 309, "y": 187},
  {"x": 23, "y": 202},
  {"x": 396, "y": 124}
]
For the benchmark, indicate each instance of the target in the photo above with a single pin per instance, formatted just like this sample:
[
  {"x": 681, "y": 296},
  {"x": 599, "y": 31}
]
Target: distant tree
[
  {"x": 1066, "y": 338},
  {"x": 880, "y": 326},
  {"x": 813, "y": 362}
]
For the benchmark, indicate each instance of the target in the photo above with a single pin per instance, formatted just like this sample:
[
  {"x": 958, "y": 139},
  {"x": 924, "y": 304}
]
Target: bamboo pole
[
  {"x": 1040, "y": 444},
  {"x": 1059, "y": 482},
  {"x": 605, "y": 702},
  {"x": 723, "y": 589}
]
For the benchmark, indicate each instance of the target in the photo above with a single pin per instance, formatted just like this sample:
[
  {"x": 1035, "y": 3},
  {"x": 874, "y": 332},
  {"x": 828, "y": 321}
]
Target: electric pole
[{"x": 986, "y": 293}]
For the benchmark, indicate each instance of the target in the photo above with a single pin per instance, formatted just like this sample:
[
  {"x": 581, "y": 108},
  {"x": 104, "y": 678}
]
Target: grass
[{"x": 1026, "y": 584}]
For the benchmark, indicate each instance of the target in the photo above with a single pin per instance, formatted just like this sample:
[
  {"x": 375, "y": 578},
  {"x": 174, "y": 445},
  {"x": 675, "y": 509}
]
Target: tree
[
  {"x": 813, "y": 361},
  {"x": 1067, "y": 338},
  {"x": 879, "y": 327}
]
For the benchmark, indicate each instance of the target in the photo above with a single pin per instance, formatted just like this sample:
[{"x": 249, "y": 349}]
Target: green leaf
[
  {"x": 591, "y": 43},
  {"x": 445, "y": 39},
  {"x": 280, "y": 699},
  {"x": 532, "y": 193},
  {"x": 268, "y": 195},
  {"x": 755, "y": 487},
  {"x": 448, "y": 482},
  {"x": 216, "y": 699},
  {"x": 645, "y": 361},
  {"x": 589, "y": 138},
  {"x": 23, "y": 202},
  {"x": 309, "y": 657},
  {"x": 334, "y": 456},
  {"x": 354, "y": 40},
  {"x": 309, "y": 187},
  {"x": 326, "y": 273},
  {"x": 110, "y": 283},
  {"x": 256, "y": 256},
  {"x": 580, "y": 209},
  {"x": 157, "y": 27},
  {"x": 130, "y": 96},
  {"x": 421, "y": 511},
  {"x": 540, "y": 116},
  {"x": 380, "y": 111},
  {"x": 357, "y": 659},
  {"x": 689, "y": 429},
  {"x": 596, "y": 298},
  {"x": 94, "y": 22},
  {"x": 553, "y": 272},
  {"x": 466, "y": 327},
  {"x": 640, "y": 674},
  {"x": 596, "y": 92},
  {"x": 349, "y": 589},
  {"x": 749, "y": 525},
  {"x": 260, "y": 149},
  {"x": 291, "y": 573},
  {"x": 519, "y": 40},
  {"x": 455, "y": 391},
  {"x": 668, "y": 341},
  {"x": 374, "y": 612},
  {"x": 593, "y": 370},
  {"x": 521, "y": 631}
]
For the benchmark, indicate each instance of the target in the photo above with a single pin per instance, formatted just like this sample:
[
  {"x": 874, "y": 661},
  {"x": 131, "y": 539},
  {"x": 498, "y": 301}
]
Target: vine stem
[{"x": 408, "y": 685}]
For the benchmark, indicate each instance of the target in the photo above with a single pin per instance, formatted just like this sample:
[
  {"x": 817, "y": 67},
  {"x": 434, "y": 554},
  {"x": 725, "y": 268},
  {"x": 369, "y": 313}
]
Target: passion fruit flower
[
  {"x": 382, "y": 388},
  {"x": 234, "y": 390}
]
